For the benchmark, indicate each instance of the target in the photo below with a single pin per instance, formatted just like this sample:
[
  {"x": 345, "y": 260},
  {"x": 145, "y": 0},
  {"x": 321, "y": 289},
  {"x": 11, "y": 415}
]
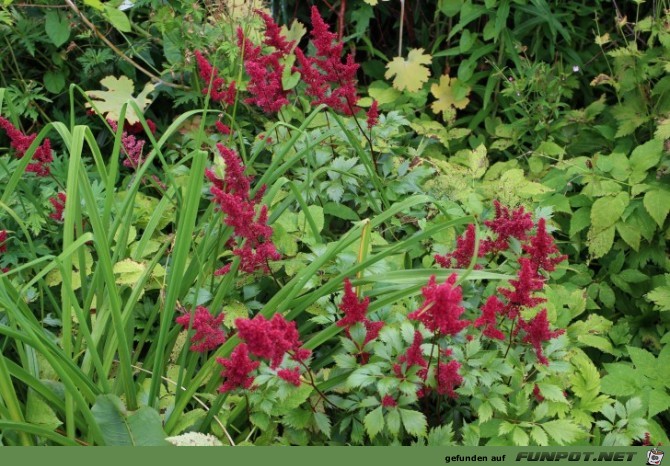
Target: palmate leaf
[
  {"x": 119, "y": 91},
  {"x": 410, "y": 74},
  {"x": 451, "y": 95}
]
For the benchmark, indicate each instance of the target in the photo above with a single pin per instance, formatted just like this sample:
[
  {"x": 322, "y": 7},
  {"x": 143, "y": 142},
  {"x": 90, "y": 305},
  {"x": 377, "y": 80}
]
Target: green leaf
[
  {"x": 552, "y": 392},
  {"x": 601, "y": 242},
  {"x": 128, "y": 272},
  {"x": 660, "y": 297},
  {"x": 657, "y": 204},
  {"x": 539, "y": 436},
  {"x": 580, "y": 220},
  {"x": 374, "y": 422},
  {"x": 484, "y": 412},
  {"x": 659, "y": 401},
  {"x": 643, "y": 360},
  {"x": 40, "y": 413},
  {"x": 629, "y": 234},
  {"x": 122, "y": 428},
  {"x": 340, "y": 211},
  {"x": 646, "y": 155},
  {"x": 57, "y": 27},
  {"x": 519, "y": 437},
  {"x": 562, "y": 431},
  {"x": 322, "y": 421},
  {"x": 607, "y": 210},
  {"x": 393, "y": 421},
  {"x": 441, "y": 436},
  {"x": 414, "y": 422},
  {"x": 117, "y": 18}
]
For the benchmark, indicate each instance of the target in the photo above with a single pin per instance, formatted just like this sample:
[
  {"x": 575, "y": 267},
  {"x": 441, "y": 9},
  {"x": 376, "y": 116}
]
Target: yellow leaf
[
  {"x": 410, "y": 74},
  {"x": 450, "y": 95},
  {"x": 128, "y": 272},
  {"x": 120, "y": 90}
]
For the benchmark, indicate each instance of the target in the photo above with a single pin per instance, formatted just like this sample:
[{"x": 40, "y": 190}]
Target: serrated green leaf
[
  {"x": 660, "y": 296},
  {"x": 519, "y": 437},
  {"x": 117, "y": 18},
  {"x": 657, "y": 204},
  {"x": 643, "y": 360},
  {"x": 393, "y": 421},
  {"x": 646, "y": 155},
  {"x": 562, "y": 431},
  {"x": 374, "y": 422},
  {"x": 600, "y": 243},
  {"x": 414, "y": 422},
  {"x": 322, "y": 421},
  {"x": 552, "y": 392},
  {"x": 441, "y": 436},
  {"x": 484, "y": 412},
  {"x": 607, "y": 210},
  {"x": 539, "y": 436}
]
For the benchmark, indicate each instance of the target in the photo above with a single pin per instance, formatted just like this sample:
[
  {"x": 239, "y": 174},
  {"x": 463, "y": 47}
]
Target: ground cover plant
[{"x": 350, "y": 223}]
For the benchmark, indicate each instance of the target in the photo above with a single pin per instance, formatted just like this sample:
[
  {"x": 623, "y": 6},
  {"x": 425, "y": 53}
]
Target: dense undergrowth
[{"x": 442, "y": 223}]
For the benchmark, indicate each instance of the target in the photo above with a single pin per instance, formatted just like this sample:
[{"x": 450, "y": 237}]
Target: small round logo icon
[{"x": 654, "y": 457}]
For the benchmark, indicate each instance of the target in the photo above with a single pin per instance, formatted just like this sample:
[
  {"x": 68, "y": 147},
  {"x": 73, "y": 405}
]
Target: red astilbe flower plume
[
  {"x": 537, "y": 394},
  {"x": 272, "y": 339},
  {"x": 465, "y": 249},
  {"x": 412, "y": 357},
  {"x": 537, "y": 332},
  {"x": 389, "y": 402},
  {"x": 490, "y": 311},
  {"x": 253, "y": 244},
  {"x": 441, "y": 309},
  {"x": 372, "y": 115},
  {"x": 58, "y": 203},
  {"x": 521, "y": 295},
  {"x": 355, "y": 312},
  {"x": 329, "y": 81},
  {"x": 41, "y": 161},
  {"x": 215, "y": 85},
  {"x": 292, "y": 376},
  {"x": 237, "y": 369},
  {"x": 507, "y": 224},
  {"x": 448, "y": 378},
  {"x": 265, "y": 70},
  {"x": 543, "y": 251},
  {"x": 3, "y": 241},
  {"x": 208, "y": 334},
  {"x": 132, "y": 147}
]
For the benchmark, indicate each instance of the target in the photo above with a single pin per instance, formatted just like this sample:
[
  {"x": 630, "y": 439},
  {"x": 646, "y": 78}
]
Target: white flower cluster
[{"x": 194, "y": 439}]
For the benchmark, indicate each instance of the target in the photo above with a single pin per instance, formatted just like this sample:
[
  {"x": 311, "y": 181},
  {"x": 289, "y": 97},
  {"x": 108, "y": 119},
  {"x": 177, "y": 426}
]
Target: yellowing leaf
[
  {"x": 373, "y": 2},
  {"x": 120, "y": 90},
  {"x": 128, "y": 272},
  {"x": 450, "y": 95},
  {"x": 410, "y": 74}
]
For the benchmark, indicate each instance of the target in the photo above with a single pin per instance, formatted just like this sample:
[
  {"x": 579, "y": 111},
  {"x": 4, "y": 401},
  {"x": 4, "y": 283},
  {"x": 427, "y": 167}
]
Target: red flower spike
[
  {"x": 541, "y": 249},
  {"x": 490, "y": 311},
  {"x": 58, "y": 203},
  {"x": 536, "y": 393},
  {"x": 222, "y": 128},
  {"x": 3, "y": 241},
  {"x": 328, "y": 80},
  {"x": 271, "y": 339},
  {"x": 215, "y": 85},
  {"x": 448, "y": 378},
  {"x": 441, "y": 309},
  {"x": 292, "y": 376},
  {"x": 21, "y": 142},
  {"x": 354, "y": 310},
  {"x": 372, "y": 115},
  {"x": 208, "y": 334},
  {"x": 524, "y": 288},
  {"x": 265, "y": 71},
  {"x": 389, "y": 402},
  {"x": 237, "y": 369},
  {"x": 537, "y": 332},
  {"x": 465, "y": 249},
  {"x": 506, "y": 225}
]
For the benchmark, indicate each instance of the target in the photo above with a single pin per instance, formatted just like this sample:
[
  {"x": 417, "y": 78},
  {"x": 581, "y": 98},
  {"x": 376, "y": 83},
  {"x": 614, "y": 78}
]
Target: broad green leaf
[
  {"x": 562, "y": 431},
  {"x": 519, "y": 437},
  {"x": 119, "y": 91},
  {"x": 117, "y": 18},
  {"x": 123, "y": 428},
  {"x": 57, "y": 27},
  {"x": 414, "y": 422},
  {"x": 580, "y": 220},
  {"x": 607, "y": 210},
  {"x": 441, "y": 436},
  {"x": 644, "y": 361},
  {"x": 40, "y": 413},
  {"x": 657, "y": 204},
  {"x": 646, "y": 156},
  {"x": 601, "y": 242},
  {"x": 393, "y": 421},
  {"x": 539, "y": 436},
  {"x": 374, "y": 422},
  {"x": 630, "y": 234},
  {"x": 322, "y": 421},
  {"x": 410, "y": 74}
]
